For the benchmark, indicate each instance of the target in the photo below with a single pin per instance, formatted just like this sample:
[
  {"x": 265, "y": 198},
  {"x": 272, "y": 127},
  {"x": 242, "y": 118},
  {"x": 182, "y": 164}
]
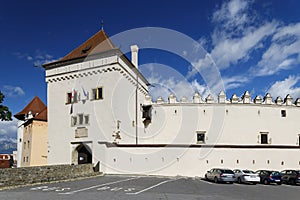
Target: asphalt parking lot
[{"x": 149, "y": 187}]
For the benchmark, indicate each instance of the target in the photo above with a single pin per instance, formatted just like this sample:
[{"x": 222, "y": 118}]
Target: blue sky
[{"x": 254, "y": 44}]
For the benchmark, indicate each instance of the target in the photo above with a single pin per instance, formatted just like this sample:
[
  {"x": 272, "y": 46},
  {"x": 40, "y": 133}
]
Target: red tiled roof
[
  {"x": 37, "y": 108},
  {"x": 98, "y": 43},
  {"x": 42, "y": 116}
]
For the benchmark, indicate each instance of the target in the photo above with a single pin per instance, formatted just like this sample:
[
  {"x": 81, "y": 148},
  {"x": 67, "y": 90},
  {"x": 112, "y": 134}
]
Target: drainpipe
[{"x": 134, "y": 60}]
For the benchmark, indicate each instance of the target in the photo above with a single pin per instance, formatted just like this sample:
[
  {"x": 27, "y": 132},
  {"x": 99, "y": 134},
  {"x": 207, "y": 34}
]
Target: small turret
[
  {"x": 172, "y": 98},
  {"x": 268, "y": 99},
  {"x": 222, "y": 97},
  {"x": 234, "y": 99},
  {"x": 288, "y": 100},
  {"x": 209, "y": 99},
  {"x": 246, "y": 98}
]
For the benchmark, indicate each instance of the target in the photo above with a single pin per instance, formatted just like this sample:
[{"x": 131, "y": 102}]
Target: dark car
[
  {"x": 220, "y": 175},
  {"x": 269, "y": 176},
  {"x": 290, "y": 176}
]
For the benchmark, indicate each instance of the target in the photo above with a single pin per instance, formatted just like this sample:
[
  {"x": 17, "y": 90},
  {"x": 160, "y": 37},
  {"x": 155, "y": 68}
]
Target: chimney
[{"x": 134, "y": 55}]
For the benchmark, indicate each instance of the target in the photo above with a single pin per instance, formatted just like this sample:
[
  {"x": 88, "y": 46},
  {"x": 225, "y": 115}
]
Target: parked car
[
  {"x": 220, "y": 175},
  {"x": 290, "y": 176},
  {"x": 246, "y": 176},
  {"x": 268, "y": 176}
]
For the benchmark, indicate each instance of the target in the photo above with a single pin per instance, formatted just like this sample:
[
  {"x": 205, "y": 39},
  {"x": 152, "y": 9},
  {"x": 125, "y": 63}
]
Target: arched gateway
[{"x": 82, "y": 154}]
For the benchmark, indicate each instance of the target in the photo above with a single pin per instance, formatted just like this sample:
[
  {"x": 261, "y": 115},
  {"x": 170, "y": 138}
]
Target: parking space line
[
  {"x": 95, "y": 186},
  {"x": 153, "y": 186}
]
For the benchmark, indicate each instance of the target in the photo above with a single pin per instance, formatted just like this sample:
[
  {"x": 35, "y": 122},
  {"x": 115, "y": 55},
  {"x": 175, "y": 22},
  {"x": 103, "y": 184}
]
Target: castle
[{"x": 99, "y": 111}]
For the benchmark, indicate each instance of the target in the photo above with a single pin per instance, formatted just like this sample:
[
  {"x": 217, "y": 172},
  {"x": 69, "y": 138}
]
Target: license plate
[{"x": 277, "y": 180}]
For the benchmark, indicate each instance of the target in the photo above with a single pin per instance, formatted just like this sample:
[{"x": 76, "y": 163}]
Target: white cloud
[
  {"x": 238, "y": 32},
  {"x": 38, "y": 58},
  {"x": 287, "y": 86},
  {"x": 232, "y": 50},
  {"x": 166, "y": 80},
  {"x": 234, "y": 81},
  {"x": 8, "y": 129},
  {"x": 13, "y": 91},
  {"x": 236, "y": 35},
  {"x": 283, "y": 53},
  {"x": 231, "y": 18}
]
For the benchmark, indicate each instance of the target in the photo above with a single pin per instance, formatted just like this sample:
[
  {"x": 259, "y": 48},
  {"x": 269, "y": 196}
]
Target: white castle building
[{"x": 99, "y": 111}]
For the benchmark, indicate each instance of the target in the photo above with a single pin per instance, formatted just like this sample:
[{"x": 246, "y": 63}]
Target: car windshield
[
  {"x": 275, "y": 173},
  {"x": 227, "y": 171},
  {"x": 248, "y": 172}
]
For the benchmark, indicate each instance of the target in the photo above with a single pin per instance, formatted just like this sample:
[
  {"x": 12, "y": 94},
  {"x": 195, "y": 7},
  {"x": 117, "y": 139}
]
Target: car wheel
[
  {"x": 216, "y": 180},
  {"x": 292, "y": 182},
  {"x": 206, "y": 177},
  {"x": 266, "y": 182},
  {"x": 239, "y": 180}
]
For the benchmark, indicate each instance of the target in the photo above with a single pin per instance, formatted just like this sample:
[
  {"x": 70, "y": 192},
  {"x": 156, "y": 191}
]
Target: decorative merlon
[
  {"x": 172, "y": 98},
  {"x": 234, "y": 99}
]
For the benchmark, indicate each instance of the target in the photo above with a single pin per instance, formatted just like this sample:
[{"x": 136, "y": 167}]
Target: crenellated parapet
[{"x": 222, "y": 99}]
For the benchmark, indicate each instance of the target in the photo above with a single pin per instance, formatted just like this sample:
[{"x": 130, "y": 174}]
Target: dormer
[
  {"x": 257, "y": 100},
  {"x": 268, "y": 99},
  {"x": 288, "y": 100},
  {"x": 222, "y": 97},
  {"x": 197, "y": 98},
  {"x": 278, "y": 100},
  {"x": 234, "y": 99},
  {"x": 209, "y": 99},
  {"x": 246, "y": 98},
  {"x": 172, "y": 98}
]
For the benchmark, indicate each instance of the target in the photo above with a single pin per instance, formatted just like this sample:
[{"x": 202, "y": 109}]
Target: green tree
[{"x": 5, "y": 114}]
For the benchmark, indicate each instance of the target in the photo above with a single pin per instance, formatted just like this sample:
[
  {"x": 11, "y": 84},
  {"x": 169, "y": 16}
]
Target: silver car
[
  {"x": 220, "y": 175},
  {"x": 246, "y": 176}
]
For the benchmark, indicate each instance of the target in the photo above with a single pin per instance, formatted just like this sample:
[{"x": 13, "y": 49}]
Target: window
[
  {"x": 86, "y": 119},
  {"x": 80, "y": 119},
  {"x": 73, "y": 120},
  {"x": 147, "y": 112},
  {"x": 299, "y": 140},
  {"x": 97, "y": 93},
  {"x": 264, "y": 138},
  {"x": 69, "y": 97},
  {"x": 200, "y": 136},
  {"x": 28, "y": 143},
  {"x": 283, "y": 113},
  {"x": 72, "y": 97},
  {"x": 24, "y": 145}
]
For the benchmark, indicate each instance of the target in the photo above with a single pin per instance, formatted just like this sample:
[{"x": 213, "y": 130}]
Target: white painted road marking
[
  {"x": 95, "y": 186},
  {"x": 153, "y": 186},
  {"x": 46, "y": 188},
  {"x": 205, "y": 181}
]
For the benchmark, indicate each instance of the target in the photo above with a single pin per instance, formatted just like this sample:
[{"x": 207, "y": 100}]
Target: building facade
[
  {"x": 32, "y": 134},
  {"x": 86, "y": 94},
  {"x": 100, "y": 112}
]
